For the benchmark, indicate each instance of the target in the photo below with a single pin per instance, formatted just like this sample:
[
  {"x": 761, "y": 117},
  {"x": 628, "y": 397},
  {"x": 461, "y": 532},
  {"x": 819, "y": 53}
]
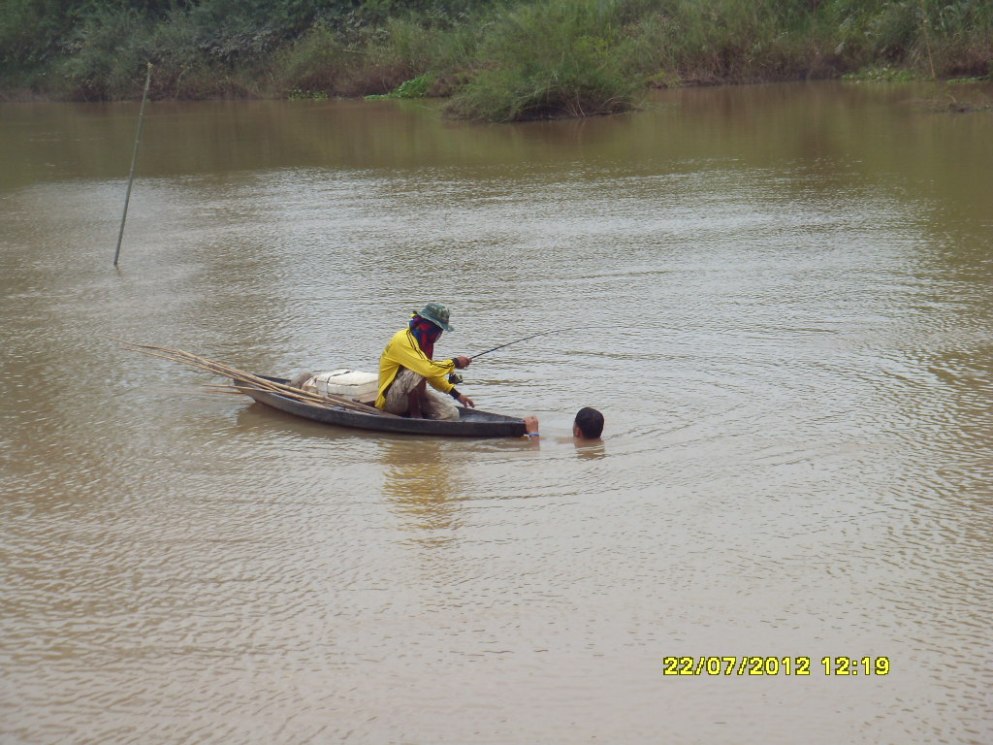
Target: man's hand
[
  {"x": 462, "y": 362},
  {"x": 531, "y": 426},
  {"x": 466, "y": 401}
]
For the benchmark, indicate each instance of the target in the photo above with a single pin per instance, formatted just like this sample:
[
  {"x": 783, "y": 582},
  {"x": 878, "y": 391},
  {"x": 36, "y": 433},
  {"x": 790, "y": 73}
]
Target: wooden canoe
[{"x": 471, "y": 422}]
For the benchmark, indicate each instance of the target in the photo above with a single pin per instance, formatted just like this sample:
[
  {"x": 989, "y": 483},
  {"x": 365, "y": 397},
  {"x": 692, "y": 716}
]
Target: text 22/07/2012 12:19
[{"x": 839, "y": 666}]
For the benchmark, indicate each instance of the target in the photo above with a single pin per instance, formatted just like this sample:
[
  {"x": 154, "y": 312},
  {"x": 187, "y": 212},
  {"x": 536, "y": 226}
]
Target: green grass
[
  {"x": 551, "y": 59},
  {"x": 315, "y": 62},
  {"x": 499, "y": 60},
  {"x": 418, "y": 87}
]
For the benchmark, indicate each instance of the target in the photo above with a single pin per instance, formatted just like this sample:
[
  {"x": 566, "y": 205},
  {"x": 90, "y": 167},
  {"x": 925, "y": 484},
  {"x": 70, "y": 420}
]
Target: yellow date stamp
[{"x": 734, "y": 665}]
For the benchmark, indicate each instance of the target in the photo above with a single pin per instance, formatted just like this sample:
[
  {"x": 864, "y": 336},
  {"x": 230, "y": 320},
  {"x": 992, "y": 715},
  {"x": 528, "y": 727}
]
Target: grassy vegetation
[
  {"x": 553, "y": 59},
  {"x": 498, "y": 60},
  {"x": 414, "y": 88}
]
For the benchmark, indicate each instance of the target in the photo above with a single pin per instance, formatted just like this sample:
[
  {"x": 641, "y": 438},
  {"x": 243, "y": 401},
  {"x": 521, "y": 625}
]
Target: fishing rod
[
  {"x": 516, "y": 341},
  {"x": 455, "y": 377}
]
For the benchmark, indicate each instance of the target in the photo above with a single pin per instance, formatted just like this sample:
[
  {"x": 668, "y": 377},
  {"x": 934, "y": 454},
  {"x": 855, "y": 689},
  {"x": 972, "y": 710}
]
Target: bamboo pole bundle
[{"x": 251, "y": 380}]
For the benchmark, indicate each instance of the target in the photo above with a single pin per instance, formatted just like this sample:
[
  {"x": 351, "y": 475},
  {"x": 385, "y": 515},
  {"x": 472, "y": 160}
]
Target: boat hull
[{"x": 471, "y": 422}]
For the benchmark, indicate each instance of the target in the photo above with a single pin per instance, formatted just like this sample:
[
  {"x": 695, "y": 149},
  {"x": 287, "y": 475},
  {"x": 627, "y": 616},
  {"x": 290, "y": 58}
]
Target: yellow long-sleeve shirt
[{"x": 403, "y": 351}]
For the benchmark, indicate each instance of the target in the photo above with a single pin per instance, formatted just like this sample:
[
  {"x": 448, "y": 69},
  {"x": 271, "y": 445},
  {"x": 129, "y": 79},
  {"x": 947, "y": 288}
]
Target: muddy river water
[{"x": 784, "y": 298}]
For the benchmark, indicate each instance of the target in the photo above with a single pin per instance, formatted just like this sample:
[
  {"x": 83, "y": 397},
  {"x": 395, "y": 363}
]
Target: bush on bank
[
  {"x": 557, "y": 58},
  {"x": 499, "y": 59}
]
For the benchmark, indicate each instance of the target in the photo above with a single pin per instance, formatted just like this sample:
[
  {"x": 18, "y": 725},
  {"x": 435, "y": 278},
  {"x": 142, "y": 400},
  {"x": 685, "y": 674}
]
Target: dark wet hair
[{"x": 590, "y": 422}]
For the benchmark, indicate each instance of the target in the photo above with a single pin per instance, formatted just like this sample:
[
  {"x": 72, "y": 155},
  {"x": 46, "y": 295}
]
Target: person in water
[
  {"x": 588, "y": 425},
  {"x": 407, "y": 366}
]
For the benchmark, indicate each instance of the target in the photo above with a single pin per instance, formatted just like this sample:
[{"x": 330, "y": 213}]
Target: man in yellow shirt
[{"x": 407, "y": 366}]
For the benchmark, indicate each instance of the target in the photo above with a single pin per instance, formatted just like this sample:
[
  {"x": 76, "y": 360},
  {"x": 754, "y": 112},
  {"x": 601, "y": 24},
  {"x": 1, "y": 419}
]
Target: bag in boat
[{"x": 353, "y": 384}]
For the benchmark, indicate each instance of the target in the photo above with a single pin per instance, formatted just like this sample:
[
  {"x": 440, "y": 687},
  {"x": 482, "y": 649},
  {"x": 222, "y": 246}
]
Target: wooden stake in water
[
  {"x": 134, "y": 159},
  {"x": 925, "y": 22}
]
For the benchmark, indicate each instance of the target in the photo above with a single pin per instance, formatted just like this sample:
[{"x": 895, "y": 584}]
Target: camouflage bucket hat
[{"x": 437, "y": 314}]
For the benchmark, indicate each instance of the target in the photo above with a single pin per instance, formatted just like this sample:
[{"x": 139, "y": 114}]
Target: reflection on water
[
  {"x": 783, "y": 310},
  {"x": 590, "y": 450},
  {"x": 420, "y": 482}
]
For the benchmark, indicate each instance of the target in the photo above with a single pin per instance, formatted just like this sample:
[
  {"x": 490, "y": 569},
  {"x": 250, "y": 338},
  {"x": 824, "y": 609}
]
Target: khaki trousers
[{"x": 433, "y": 406}]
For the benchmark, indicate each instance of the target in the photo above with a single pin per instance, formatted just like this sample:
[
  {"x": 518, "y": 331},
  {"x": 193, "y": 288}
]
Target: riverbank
[{"x": 495, "y": 61}]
